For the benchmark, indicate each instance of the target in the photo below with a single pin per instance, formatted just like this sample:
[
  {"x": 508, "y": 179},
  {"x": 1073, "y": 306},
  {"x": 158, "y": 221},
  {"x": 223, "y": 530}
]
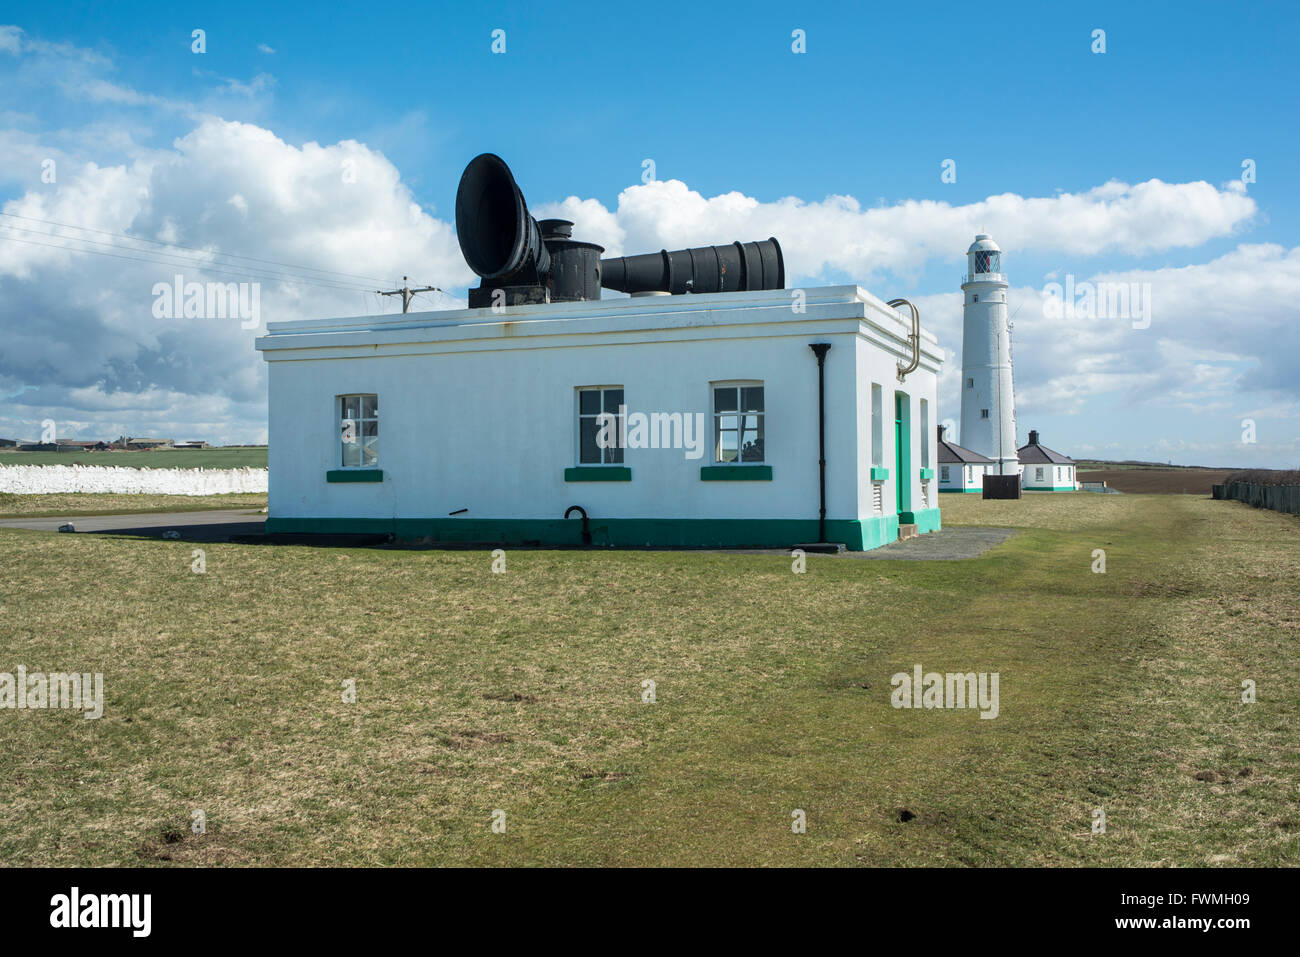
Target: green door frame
[{"x": 902, "y": 454}]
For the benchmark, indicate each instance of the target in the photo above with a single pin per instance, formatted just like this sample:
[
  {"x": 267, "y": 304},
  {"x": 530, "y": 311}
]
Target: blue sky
[{"x": 715, "y": 96}]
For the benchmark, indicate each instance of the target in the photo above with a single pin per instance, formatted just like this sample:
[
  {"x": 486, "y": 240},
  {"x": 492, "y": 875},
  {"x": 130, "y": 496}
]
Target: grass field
[
  {"x": 111, "y": 503},
  {"x": 522, "y": 692},
  {"x": 234, "y": 457}
]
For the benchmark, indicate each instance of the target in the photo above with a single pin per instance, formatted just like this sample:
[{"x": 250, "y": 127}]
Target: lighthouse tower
[{"x": 988, "y": 417}]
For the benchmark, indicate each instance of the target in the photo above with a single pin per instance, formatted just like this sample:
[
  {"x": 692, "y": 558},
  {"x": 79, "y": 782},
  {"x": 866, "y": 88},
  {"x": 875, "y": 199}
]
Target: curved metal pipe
[
  {"x": 586, "y": 527},
  {"x": 914, "y": 338}
]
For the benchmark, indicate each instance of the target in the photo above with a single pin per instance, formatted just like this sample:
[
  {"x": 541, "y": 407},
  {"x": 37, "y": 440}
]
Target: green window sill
[
  {"x": 598, "y": 473},
  {"x": 354, "y": 475},
  {"x": 736, "y": 473},
  {"x": 927, "y": 474},
  {"x": 878, "y": 474}
]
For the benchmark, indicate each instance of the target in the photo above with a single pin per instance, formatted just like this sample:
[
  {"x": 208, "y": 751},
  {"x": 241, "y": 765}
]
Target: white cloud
[
  {"x": 89, "y": 341},
  {"x": 836, "y": 233}
]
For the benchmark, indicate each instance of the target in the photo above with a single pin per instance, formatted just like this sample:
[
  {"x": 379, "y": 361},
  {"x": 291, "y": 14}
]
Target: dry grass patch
[{"x": 523, "y": 692}]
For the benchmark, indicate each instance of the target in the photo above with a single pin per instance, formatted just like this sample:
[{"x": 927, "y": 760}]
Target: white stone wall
[{"x": 51, "y": 479}]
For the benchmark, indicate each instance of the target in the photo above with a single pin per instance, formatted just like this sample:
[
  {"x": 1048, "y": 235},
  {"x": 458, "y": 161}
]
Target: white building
[
  {"x": 988, "y": 408},
  {"x": 1045, "y": 470},
  {"x": 960, "y": 469},
  {"x": 489, "y": 427}
]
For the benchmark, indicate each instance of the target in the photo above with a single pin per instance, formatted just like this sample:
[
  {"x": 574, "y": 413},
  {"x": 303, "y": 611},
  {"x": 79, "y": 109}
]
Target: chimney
[
  {"x": 1033, "y": 436},
  {"x": 942, "y": 430}
]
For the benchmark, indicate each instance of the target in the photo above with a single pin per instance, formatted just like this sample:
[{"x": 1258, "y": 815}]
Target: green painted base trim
[
  {"x": 879, "y": 475},
  {"x": 1047, "y": 488},
  {"x": 927, "y": 474},
  {"x": 857, "y": 535},
  {"x": 598, "y": 473},
  {"x": 975, "y": 490},
  {"x": 354, "y": 475},
  {"x": 925, "y": 520},
  {"x": 736, "y": 473}
]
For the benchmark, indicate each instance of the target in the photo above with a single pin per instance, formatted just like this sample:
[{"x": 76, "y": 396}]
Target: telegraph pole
[{"x": 407, "y": 293}]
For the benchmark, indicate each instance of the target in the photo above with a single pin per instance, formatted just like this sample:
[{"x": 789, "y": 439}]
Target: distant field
[
  {"x": 1168, "y": 481},
  {"x": 235, "y": 457},
  {"x": 523, "y": 691}
]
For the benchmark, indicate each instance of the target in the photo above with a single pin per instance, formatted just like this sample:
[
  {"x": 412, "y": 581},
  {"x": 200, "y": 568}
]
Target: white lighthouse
[{"x": 988, "y": 408}]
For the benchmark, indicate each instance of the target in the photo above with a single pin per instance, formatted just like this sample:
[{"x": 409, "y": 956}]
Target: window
[
  {"x": 970, "y": 473},
  {"x": 877, "y": 429},
  {"x": 359, "y": 442},
  {"x": 738, "y": 422},
  {"x": 925, "y": 434},
  {"x": 970, "y": 383},
  {"x": 987, "y": 261},
  {"x": 975, "y": 298},
  {"x": 984, "y": 413},
  {"x": 943, "y": 473},
  {"x": 1038, "y": 475},
  {"x": 601, "y": 424}
]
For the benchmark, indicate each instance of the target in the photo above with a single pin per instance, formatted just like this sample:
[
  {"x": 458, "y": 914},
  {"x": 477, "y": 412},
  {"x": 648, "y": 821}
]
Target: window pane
[
  {"x": 370, "y": 451},
  {"x": 369, "y": 406},
  {"x": 751, "y": 398},
  {"x": 752, "y": 445},
  {"x": 613, "y": 399},
  {"x": 589, "y": 401},
  {"x": 725, "y": 442},
  {"x": 588, "y": 452},
  {"x": 369, "y": 429},
  {"x": 351, "y": 407},
  {"x": 352, "y": 453},
  {"x": 724, "y": 400},
  {"x": 614, "y": 456}
]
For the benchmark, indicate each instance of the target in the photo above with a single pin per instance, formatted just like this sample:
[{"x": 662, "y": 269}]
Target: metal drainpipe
[
  {"x": 820, "y": 349},
  {"x": 586, "y": 527}
]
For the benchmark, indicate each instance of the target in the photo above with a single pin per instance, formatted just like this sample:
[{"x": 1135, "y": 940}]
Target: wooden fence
[{"x": 1279, "y": 498}]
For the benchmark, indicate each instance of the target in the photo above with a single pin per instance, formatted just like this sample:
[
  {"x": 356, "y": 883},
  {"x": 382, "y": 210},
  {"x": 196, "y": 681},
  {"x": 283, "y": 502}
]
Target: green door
[{"x": 898, "y": 452}]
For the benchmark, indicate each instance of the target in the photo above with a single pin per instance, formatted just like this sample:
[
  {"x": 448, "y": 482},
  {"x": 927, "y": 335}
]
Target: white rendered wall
[
  {"x": 478, "y": 411},
  {"x": 957, "y": 477}
]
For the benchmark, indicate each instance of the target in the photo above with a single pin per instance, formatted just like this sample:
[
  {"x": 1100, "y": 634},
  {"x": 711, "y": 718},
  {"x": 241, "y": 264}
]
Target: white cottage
[
  {"x": 683, "y": 420},
  {"x": 1043, "y": 470},
  {"x": 961, "y": 470}
]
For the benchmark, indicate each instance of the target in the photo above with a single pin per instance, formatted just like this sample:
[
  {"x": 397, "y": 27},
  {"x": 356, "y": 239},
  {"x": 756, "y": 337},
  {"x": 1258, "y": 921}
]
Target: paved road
[
  {"x": 214, "y": 526},
  {"x": 945, "y": 545}
]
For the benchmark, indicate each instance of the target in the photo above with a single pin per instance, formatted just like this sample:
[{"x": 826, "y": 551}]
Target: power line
[
  {"x": 175, "y": 259},
  {"x": 156, "y": 242},
  {"x": 214, "y": 269}
]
